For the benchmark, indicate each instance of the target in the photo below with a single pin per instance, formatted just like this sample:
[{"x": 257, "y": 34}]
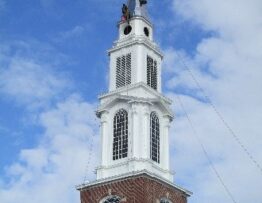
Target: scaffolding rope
[
  {"x": 211, "y": 164},
  {"x": 231, "y": 131},
  {"x": 89, "y": 159}
]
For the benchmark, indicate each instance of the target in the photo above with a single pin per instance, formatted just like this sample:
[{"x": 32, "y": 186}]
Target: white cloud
[
  {"x": 29, "y": 80},
  {"x": 75, "y": 32},
  {"x": 49, "y": 171},
  {"x": 228, "y": 67},
  {"x": 52, "y": 169}
]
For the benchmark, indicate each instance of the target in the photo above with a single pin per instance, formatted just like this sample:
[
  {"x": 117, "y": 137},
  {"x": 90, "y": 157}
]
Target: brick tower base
[{"x": 133, "y": 188}]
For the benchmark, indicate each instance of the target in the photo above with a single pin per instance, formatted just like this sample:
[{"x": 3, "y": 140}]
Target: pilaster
[
  {"x": 146, "y": 132},
  {"x": 135, "y": 130},
  {"x": 165, "y": 142},
  {"x": 105, "y": 137}
]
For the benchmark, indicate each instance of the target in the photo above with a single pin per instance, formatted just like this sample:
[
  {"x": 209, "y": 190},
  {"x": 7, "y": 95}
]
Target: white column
[
  {"x": 146, "y": 133},
  {"x": 140, "y": 64},
  {"x": 105, "y": 138},
  {"x": 135, "y": 130},
  {"x": 165, "y": 142},
  {"x": 112, "y": 71}
]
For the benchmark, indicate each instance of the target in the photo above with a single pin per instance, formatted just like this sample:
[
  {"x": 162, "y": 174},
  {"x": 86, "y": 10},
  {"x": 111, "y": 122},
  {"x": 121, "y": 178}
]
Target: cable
[
  {"x": 89, "y": 159},
  {"x": 205, "y": 152},
  {"x": 234, "y": 135}
]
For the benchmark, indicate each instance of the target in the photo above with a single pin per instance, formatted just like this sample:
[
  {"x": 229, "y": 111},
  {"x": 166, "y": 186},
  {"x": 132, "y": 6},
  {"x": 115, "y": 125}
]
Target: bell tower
[
  {"x": 136, "y": 39},
  {"x": 135, "y": 119}
]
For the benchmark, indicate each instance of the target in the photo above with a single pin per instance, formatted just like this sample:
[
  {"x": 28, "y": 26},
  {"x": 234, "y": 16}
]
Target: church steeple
[
  {"x": 135, "y": 115},
  {"x": 135, "y": 120}
]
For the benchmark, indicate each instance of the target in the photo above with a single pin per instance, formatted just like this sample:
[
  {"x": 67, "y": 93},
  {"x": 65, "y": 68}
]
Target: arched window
[
  {"x": 165, "y": 200},
  {"x": 123, "y": 70},
  {"x": 120, "y": 140},
  {"x": 112, "y": 199},
  {"x": 154, "y": 138},
  {"x": 151, "y": 72}
]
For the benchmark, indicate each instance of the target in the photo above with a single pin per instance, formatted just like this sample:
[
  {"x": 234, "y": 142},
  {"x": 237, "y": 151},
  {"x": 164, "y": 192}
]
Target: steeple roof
[{"x": 138, "y": 8}]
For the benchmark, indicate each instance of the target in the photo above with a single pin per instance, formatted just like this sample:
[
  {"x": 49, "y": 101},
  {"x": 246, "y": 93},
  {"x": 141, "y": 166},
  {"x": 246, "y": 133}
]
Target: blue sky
[{"x": 53, "y": 64}]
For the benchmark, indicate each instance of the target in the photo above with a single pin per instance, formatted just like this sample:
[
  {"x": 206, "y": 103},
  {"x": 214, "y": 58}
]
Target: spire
[{"x": 138, "y": 8}]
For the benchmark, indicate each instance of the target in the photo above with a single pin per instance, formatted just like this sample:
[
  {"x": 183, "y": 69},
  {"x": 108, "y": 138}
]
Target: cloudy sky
[{"x": 53, "y": 64}]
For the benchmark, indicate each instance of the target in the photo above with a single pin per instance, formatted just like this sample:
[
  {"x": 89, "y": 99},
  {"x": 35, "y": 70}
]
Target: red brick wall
[{"x": 141, "y": 189}]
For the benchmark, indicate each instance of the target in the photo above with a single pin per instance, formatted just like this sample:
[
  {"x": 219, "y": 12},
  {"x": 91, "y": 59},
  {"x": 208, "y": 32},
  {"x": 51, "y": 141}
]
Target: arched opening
[
  {"x": 120, "y": 137},
  {"x": 165, "y": 200},
  {"x": 154, "y": 137},
  {"x": 111, "y": 199}
]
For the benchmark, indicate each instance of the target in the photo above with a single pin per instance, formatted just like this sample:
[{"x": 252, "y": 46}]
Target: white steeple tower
[{"x": 135, "y": 116}]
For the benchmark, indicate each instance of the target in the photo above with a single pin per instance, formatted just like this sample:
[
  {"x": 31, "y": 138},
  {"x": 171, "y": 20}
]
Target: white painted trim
[
  {"x": 131, "y": 175},
  {"x": 133, "y": 86},
  {"x": 133, "y": 40},
  {"x": 138, "y": 18}
]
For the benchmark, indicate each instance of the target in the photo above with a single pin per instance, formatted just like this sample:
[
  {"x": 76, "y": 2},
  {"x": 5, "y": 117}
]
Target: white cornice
[
  {"x": 132, "y": 175},
  {"x": 116, "y": 95},
  {"x": 132, "y": 40},
  {"x": 132, "y": 86},
  {"x": 154, "y": 164},
  {"x": 136, "y": 18},
  {"x": 132, "y": 99}
]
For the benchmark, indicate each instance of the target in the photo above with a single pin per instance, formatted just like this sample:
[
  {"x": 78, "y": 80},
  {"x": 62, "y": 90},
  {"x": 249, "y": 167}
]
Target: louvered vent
[
  {"x": 123, "y": 70},
  {"x": 151, "y": 72}
]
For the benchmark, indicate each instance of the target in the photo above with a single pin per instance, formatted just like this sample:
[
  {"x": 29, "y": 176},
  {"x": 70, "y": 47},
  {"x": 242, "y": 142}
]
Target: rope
[
  {"x": 89, "y": 159},
  {"x": 232, "y": 132},
  {"x": 205, "y": 153}
]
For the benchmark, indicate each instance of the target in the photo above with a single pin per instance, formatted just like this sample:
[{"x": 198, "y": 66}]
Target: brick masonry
[{"x": 138, "y": 189}]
